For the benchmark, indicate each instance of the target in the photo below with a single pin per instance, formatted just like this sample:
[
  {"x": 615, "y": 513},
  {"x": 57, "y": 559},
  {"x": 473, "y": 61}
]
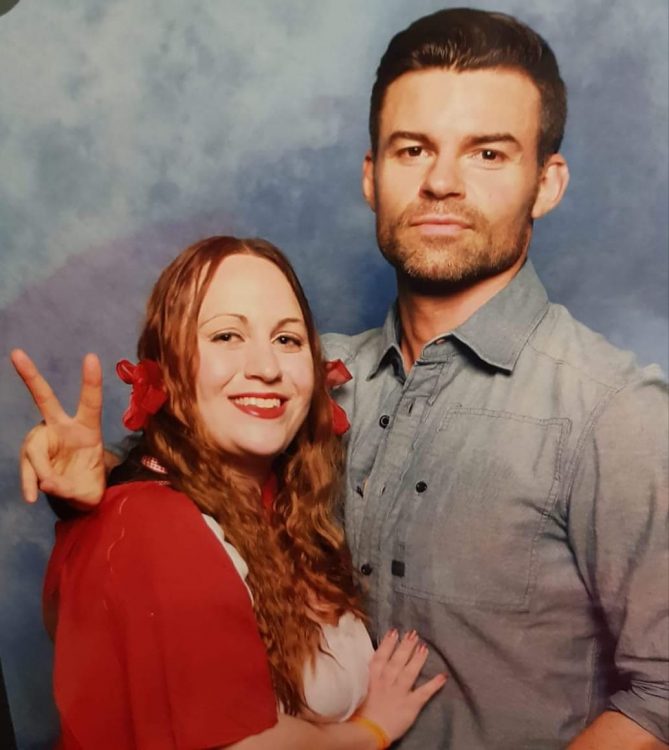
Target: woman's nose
[{"x": 262, "y": 362}]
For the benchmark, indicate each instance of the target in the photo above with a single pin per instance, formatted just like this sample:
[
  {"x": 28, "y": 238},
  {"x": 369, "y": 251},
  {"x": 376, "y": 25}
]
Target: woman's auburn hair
[{"x": 298, "y": 562}]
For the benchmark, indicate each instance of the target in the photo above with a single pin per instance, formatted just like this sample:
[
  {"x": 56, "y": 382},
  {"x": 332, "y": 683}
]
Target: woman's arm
[
  {"x": 392, "y": 704},
  {"x": 290, "y": 733},
  {"x": 183, "y": 617}
]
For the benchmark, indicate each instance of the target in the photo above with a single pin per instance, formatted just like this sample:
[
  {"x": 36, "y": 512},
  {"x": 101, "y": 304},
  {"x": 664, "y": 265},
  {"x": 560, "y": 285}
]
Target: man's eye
[
  {"x": 489, "y": 154},
  {"x": 413, "y": 151}
]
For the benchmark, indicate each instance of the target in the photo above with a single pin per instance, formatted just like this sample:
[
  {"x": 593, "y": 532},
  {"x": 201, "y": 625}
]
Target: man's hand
[
  {"x": 64, "y": 455},
  {"x": 614, "y": 731}
]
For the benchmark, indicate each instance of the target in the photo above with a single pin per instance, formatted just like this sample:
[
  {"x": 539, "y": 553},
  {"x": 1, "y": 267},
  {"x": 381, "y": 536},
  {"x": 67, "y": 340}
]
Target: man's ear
[
  {"x": 552, "y": 185},
  {"x": 368, "y": 180}
]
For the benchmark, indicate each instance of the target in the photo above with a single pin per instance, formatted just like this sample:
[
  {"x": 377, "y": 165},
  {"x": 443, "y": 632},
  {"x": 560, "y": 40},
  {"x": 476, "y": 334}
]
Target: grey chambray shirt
[{"x": 507, "y": 498}]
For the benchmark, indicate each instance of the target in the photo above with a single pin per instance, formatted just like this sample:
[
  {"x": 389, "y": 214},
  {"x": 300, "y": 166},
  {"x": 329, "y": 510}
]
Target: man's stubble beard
[{"x": 439, "y": 264}]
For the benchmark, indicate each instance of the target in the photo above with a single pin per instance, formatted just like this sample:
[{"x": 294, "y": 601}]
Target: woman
[{"x": 193, "y": 600}]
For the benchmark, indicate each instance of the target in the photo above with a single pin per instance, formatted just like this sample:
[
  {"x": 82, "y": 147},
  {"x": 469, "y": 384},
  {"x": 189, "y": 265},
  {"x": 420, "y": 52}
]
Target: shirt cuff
[{"x": 647, "y": 706}]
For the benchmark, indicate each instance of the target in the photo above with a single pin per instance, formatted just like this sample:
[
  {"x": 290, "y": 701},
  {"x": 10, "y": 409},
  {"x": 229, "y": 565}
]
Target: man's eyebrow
[
  {"x": 486, "y": 138},
  {"x": 479, "y": 139},
  {"x": 408, "y": 135}
]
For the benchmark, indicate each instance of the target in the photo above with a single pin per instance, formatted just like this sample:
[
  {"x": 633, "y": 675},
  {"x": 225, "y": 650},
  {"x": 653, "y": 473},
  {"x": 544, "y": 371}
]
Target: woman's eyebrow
[
  {"x": 242, "y": 318},
  {"x": 284, "y": 321},
  {"x": 245, "y": 320}
]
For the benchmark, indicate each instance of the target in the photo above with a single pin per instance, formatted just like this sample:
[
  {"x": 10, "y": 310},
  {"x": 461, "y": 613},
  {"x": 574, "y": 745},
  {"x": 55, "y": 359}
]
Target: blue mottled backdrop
[{"x": 129, "y": 129}]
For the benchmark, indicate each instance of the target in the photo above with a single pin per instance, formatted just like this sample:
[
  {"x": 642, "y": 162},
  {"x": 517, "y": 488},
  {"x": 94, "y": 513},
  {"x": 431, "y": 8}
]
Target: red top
[{"x": 156, "y": 645}]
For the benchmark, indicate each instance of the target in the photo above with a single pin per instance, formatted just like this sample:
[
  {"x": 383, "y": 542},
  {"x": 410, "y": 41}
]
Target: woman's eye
[
  {"x": 288, "y": 341},
  {"x": 225, "y": 336}
]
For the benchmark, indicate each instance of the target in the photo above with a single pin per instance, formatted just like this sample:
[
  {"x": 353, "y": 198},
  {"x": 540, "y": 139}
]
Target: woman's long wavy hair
[{"x": 299, "y": 565}]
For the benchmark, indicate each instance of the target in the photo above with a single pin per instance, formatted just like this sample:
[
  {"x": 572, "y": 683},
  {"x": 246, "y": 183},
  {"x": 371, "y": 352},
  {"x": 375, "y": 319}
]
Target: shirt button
[
  {"x": 421, "y": 486},
  {"x": 366, "y": 569},
  {"x": 384, "y": 421}
]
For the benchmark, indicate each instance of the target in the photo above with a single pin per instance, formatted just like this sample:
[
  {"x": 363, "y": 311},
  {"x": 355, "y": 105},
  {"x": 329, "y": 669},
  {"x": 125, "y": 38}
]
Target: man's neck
[{"x": 425, "y": 314}]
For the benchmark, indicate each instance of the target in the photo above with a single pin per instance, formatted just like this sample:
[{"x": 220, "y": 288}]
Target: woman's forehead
[{"x": 252, "y": 287}]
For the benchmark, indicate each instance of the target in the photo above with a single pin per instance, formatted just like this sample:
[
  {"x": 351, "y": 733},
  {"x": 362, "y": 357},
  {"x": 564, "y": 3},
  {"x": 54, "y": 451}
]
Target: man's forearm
[{"x": 614, "y": 731}]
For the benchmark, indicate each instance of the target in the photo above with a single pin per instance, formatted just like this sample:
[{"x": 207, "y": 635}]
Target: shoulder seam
[
  {"x": 571, "y": 365},
  {"x": 588, "y": 428}
]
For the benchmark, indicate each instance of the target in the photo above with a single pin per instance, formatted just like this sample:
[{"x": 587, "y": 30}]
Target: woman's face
[{"x": 256, "y": 375}]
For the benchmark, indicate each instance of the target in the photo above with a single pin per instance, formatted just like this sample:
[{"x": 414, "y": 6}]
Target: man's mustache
[{"x": 448, "y": 210}]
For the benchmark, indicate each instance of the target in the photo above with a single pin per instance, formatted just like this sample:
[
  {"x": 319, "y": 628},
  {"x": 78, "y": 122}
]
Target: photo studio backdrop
[{"x": 130, "y": 129}]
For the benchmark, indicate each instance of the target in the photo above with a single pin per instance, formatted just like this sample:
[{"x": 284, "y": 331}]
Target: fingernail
[
  {"x": 443, "y": 676},
  {"x": 411, "y": 635},
  {"x": 392, "y": 633}
]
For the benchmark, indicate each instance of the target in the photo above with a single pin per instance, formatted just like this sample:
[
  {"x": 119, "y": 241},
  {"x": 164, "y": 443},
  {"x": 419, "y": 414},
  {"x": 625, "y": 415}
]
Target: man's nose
[
  {"x": 443, "y": 178},
  {"x": 262, "y": 362}
]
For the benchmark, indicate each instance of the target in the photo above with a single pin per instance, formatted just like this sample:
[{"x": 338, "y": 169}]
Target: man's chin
[
  {"x": 440, "y": 279},
  {"x": 437, "y": 285}
]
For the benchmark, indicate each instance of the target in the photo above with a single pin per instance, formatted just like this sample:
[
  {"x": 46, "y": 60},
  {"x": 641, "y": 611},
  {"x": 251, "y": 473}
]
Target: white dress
[{"x": 336, "y": 684}]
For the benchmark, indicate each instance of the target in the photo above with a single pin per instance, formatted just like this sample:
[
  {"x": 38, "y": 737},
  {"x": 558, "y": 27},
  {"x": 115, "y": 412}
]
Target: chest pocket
[{"x": 472, "y": 536}]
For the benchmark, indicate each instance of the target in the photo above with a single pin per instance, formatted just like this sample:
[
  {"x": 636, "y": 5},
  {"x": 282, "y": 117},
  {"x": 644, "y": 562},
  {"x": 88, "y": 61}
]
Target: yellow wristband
[{"x": 382, "y": 739}]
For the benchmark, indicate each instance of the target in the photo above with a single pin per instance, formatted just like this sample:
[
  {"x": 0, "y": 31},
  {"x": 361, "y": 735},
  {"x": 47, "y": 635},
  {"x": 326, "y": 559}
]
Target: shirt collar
[
  {"x": 389, "y": 351},
  {"x": 496, "y": 333}
]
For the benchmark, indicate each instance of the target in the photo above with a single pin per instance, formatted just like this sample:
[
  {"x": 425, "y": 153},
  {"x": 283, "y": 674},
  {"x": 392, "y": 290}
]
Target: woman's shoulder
[
  {"x": 152, "y": 518},
  {"x": 132, "y": 528},
  {"x": 142, "y": 499},
  {"x": 137, "y": 519}
]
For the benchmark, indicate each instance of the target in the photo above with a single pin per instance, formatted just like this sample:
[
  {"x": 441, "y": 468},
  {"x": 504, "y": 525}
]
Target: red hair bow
[
  {"x": 336, "y": 374},
  {"x": 148, "y": 392}
]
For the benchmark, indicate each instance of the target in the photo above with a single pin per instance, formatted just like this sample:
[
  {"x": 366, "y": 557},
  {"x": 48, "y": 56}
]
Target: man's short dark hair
[{"x": 466, "y": 39}]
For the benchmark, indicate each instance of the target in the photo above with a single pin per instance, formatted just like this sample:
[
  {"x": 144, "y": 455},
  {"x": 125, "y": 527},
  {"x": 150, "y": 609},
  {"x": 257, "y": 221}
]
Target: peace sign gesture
[{"x": 64, "y": 455}]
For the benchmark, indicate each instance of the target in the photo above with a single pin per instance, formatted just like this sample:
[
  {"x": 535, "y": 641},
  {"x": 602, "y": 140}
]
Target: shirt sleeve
[
  {"x": 193, "y": 668},
  {"x": 618, "y": 518}
]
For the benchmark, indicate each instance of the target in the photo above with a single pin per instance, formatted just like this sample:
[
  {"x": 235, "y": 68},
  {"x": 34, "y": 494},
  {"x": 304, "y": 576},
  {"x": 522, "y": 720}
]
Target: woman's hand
[
  {"x": 392, "y": 701},
  {"x": 64, "y": 455}
]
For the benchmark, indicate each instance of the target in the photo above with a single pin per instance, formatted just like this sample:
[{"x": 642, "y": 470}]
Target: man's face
[{"x": 456, "y": 181}]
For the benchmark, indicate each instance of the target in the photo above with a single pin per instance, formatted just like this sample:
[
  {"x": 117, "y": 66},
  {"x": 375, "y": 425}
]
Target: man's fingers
[
  {"x": 35, "y": 453},
  {"x": 89, "y": 411},
  {"x": 57, "y": 485},
  {"x": 29, "y": 488},
  {"x": 44, "y": 398}
]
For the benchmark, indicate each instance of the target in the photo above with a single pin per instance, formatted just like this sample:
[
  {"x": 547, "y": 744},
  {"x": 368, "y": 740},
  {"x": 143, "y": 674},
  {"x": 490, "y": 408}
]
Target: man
[
  {"x": 506, "y": 487},
  {"x": 506, "y": 490}
]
